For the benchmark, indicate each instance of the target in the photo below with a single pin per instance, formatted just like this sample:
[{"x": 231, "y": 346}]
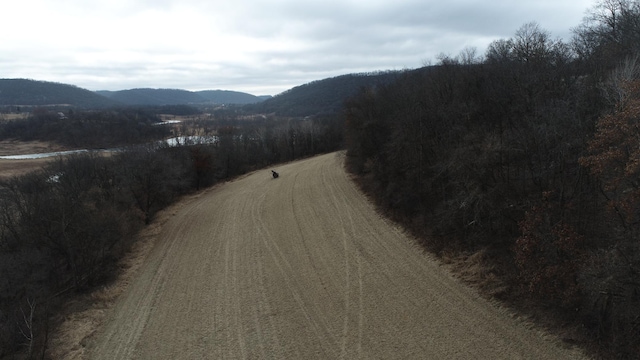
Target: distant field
[
  {"x": 9, "y": 168},
  {"x": 5, "y": 117},
  {"x": 16, "y": 147}
]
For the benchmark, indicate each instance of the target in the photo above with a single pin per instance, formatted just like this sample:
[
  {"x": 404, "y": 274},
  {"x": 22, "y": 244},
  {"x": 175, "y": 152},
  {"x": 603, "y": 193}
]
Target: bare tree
[
  {"x": 499, "y": 51},
  {"x": 27, "y": 326},
  {"x": 532, "y": 44},
  {"x": 616, "y": 87},
  {"x": 469, "y": 56},
  {"x": 610, "y": 31}
]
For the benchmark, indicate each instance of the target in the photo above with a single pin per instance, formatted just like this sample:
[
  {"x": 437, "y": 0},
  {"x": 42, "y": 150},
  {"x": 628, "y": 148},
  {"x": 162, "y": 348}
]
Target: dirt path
[{"x": 301, "y": 267}]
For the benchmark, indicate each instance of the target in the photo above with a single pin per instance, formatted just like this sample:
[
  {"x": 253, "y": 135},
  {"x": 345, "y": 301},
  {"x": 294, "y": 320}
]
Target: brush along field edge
[{"x": 302, "y": 267}]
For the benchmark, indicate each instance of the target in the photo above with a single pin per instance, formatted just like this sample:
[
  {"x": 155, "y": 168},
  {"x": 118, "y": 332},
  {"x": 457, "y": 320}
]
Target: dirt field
[{"x": 301, "y": 267}]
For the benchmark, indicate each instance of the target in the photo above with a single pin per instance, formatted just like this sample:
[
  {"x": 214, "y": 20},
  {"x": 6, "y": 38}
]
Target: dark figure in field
[{"x": 275, "y": 174}]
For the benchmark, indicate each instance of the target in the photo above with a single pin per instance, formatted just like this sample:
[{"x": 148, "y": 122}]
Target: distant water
[
  {"x": 41, "y": 155},
  {"x": 172, "y": 142}
]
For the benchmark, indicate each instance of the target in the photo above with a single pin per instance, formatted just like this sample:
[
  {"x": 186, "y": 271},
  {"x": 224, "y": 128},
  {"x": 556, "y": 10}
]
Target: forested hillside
[
  {"x": 23, "y": 92},
  {"x": 152, "y": 96},
  {"x": 230, "y": 97},
  {"x": 325, "y": 96},
  {"x": 157, "y": 97},
  {"x": 39, "y": 93},
  {"x": 528, "y": 158}
]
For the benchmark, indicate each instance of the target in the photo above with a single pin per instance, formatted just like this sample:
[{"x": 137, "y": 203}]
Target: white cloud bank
[{"x": 256, "y": 46}]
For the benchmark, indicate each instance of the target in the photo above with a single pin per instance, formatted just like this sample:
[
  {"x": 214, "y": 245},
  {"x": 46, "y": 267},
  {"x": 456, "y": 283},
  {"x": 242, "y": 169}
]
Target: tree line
[
  {"x": 76, "y": 128},
  {"x": 528, "y": 154},
  {"x": 63, "y": 229}
]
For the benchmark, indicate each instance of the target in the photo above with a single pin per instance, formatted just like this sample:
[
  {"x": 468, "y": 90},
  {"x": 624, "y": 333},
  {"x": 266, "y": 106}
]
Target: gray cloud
[{"x": 259, "y": 46}]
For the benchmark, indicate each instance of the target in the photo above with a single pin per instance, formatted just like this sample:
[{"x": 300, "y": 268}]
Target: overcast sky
[{"x": 261, "y": 47}]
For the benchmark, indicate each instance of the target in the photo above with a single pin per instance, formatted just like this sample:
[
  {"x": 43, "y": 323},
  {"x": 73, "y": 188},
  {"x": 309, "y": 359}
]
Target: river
[{"x": 171, "y": 142}]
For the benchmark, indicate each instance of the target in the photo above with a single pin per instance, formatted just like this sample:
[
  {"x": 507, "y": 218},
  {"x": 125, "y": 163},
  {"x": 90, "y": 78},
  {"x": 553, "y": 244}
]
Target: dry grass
[
  {"x": 7, "y": 117},
  {"x": 11, "y": 168},
  {"x": 474, "y": 269},
  {"x": 17, "y": 147}
]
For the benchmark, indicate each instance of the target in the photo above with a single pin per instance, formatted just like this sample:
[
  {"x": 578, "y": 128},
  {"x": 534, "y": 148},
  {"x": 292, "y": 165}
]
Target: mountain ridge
[
  {"x": 313, "y": 98},
  {"x": 323, "y": 96},
  {"x": 151, "y": 96},
  {"x": 29, "y": 92}
]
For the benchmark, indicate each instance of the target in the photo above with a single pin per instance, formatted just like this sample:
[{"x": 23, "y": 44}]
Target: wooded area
[
  {"x": 90, "y": 129},
  {"x": 321, "y": 97},
  {"x": 529, "y": 155}
]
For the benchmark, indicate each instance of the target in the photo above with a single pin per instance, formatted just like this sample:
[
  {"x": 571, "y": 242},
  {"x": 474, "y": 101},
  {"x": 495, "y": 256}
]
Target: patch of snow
[{"x": 190, "y": 140}]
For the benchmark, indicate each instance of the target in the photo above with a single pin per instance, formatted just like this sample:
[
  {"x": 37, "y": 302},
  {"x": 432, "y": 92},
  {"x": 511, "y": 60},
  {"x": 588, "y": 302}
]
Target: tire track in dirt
[
  {"x": 348, "y": 232},
  {"x": 287, "y": 271},
  {"x": 302, "y": 267}
]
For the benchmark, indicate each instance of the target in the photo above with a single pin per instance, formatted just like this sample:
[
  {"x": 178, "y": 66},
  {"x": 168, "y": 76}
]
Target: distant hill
[
  {"x": 230, "y": 97},
  {"x": 179, "y": 97},
  {"x": 322, "y": 96},
  {"x": 317, "y": 97},
  {"x": 39, "y": 93},
  {"x": 152, "y": 96}
]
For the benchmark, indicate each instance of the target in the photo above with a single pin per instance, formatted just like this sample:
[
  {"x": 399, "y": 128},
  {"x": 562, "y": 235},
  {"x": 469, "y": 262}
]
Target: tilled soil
[{"x": 302, "y": 267}]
